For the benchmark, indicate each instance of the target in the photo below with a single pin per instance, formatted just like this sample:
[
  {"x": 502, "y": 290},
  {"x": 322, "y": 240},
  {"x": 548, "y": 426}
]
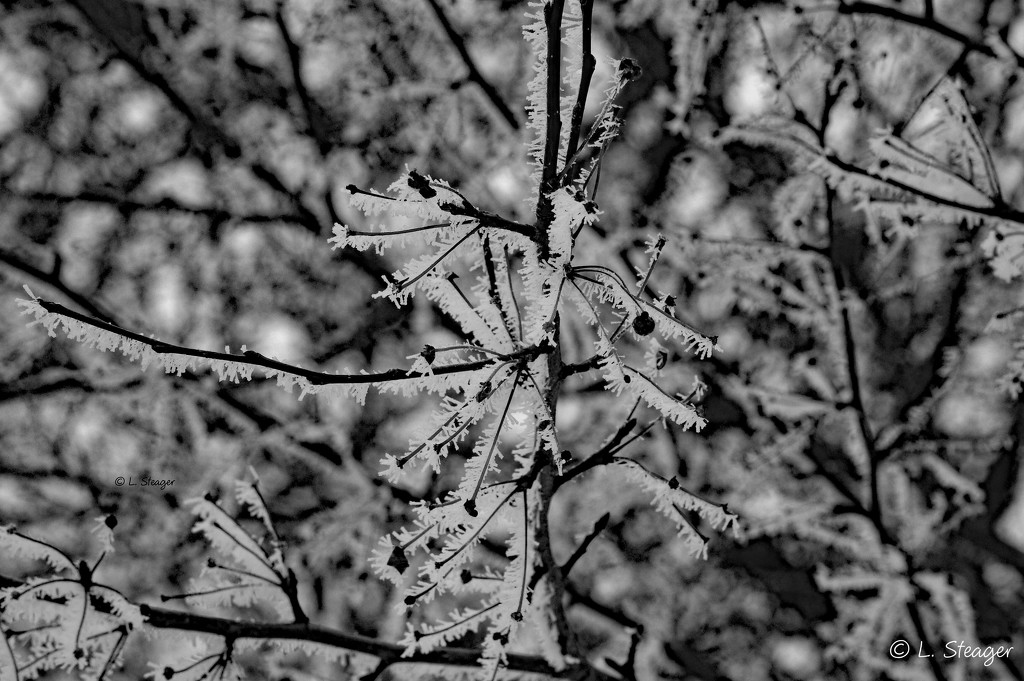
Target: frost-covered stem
[
  {"x": 258, "y": 360},
  {"x": 553, "y": 124},
  {"x": 566, "y": 639},
  {"x": 589, "y": 63},
  {"x": 505, "y": 307},
  {"x": 389, "y": 653},
  {"x": 553, "y": 22}
]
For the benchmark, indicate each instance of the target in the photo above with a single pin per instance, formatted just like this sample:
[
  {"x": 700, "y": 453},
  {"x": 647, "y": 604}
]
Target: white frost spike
[
  {"x": 230, "y": 540},
  {"x": 536, "y": 34},
  {"x": 571, "y": 212},
  {"x": 622, "y": 378},
  {"x": 671, "y": 500},
  {"x": 18, "y": 545}
]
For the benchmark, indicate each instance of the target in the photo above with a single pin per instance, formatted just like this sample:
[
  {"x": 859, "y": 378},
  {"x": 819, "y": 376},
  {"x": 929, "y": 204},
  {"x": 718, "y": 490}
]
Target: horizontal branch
[
  {"x": 389, "y": 653},
  {"x": 255, "y": 359}
]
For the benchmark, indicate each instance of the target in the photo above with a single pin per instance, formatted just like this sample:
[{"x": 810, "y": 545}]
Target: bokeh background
[{"x": 175, "y": 167}]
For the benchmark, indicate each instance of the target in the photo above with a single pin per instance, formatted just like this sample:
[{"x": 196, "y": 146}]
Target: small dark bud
[
  {"x": 566, "y": 456},
  {"x": 643, "y": 324},
  {"x": 352, "y": 189},
  {"x": 471, "y": 508},
  {"x": 420, "y": 184},
  {"x": 410, "y": 600},
  {"x": 673, "y": 483},
  {"x": 398, "y": 560},
  {"x": 111, "y": 521},
  {"x": 485, "y": 391},
  {"x": 417, "y": 635},
  {"x": 670, "y": 301},
  {"x": 626, "y": 378},
  {"x": 661, "y": 360},
  {"x": 211, "y": 563},
  {"x": 168, "y": 672},
  {"x": 629, "y": 70},
  {"x": 517, "y": 616},
  {"x": 79, "y": 653},
  {"x": 211, "y": 497},
  {"x": 429, "y": 353},
  {"x": 466, "y": 576}
]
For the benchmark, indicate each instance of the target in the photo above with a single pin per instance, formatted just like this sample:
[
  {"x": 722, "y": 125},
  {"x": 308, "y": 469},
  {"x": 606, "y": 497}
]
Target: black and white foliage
[{"x": 716, "y": 349}]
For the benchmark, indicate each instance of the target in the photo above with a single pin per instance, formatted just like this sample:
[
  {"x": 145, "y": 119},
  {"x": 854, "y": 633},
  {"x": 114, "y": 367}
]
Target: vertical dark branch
[
  {"x": 850, "y": 352},
  {"x": 553, "y": 133},
  {"x": 589, "y": 63},
  {"x": 553, "y": 21}
]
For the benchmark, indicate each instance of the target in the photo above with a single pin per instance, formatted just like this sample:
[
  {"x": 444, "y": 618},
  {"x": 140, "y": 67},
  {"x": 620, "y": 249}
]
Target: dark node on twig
[
  {"x": 420, "y": 184},
  {"x": 626, "y": 378},
  {"x": 566, "y": 456},
  {"x": 79, "y": 653},
  {"x": 629, "y": 70},
  {"x": 168, "y": 672},
  {"x": 211, "y": 563},
  {"x": 470, "y": 507},
  {"x": 673, "y": 483},
  {"x": 500, "y": 636},
  {"x": 517, "y": 616},
  {"x": 417, "y": 635},
  {"x": 410, "y": 600},
  {"x": 211, "y": 497},
  {"x": 643, "y": 324},
  {"x": 466, "y": 576},
  {"x": 352, "y": 189},
  {"x": 485, "y": 391},
  {"x": 111, "y": 521},
  {"x": 429, "y": 353},
  {"x": 398, "y": 560}
]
